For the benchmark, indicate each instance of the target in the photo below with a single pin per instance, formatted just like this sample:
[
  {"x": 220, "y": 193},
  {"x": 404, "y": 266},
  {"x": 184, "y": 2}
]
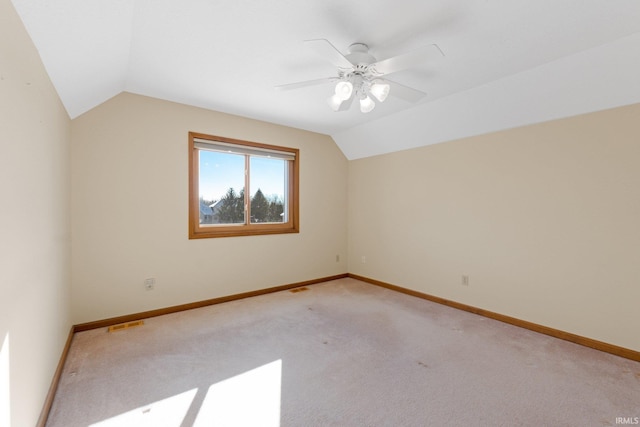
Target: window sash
[{"x": 198, "y": 142}]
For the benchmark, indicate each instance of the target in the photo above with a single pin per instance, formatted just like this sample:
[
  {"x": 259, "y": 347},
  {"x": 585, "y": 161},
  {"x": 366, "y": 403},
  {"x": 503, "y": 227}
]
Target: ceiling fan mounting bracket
[
  {"x": 359, "y": 55},
  {"x": 358, "y": 47}
]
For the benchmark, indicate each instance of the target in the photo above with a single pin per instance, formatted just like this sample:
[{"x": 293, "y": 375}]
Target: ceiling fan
[{"x": 361, "y": 75}]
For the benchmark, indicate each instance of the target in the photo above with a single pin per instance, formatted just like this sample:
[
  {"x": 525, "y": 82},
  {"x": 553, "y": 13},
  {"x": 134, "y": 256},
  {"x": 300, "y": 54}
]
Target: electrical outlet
[
  {"x": 363, "y": 259},
  {"x": 465, "y": 280},
  {"x": 337, "y": 258},
  {"x": 150, "y": 283}
]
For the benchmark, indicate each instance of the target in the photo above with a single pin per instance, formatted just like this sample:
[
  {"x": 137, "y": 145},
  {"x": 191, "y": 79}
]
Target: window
[{"x": 241, "y": 188}]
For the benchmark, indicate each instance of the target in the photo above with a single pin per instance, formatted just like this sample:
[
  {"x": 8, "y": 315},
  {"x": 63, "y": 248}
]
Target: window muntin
[
  {"x": 221, "y": 187},
  {"x": 221, "y": 171}
]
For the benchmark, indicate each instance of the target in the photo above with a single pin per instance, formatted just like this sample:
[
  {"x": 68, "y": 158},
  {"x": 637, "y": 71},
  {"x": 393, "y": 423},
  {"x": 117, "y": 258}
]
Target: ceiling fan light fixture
[
  {"x": 361, "y": 76},
  {"x": 367, "y": 104},
  {"x": 334, "y": 102},
  {"x": 380, "y": 91},
  {"x": 344, "y": 90}
]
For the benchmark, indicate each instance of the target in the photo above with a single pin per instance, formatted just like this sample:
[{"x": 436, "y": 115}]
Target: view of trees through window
[
  {"x": 222, "y": 183},
  {"x": 230, "y": 208},
  {"x": 241, "y": 188}
]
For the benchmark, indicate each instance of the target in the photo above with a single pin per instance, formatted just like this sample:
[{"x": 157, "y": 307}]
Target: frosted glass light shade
[
  {"x": 380, "y": 91},
  {"x": 334, "y": 102},
  {"x": 367, "y": 104},
  {"x": 344, "y": 90}
]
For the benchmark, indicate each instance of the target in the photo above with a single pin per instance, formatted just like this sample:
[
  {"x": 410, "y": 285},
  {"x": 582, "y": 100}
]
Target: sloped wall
[{"x": 35, "y": 134}]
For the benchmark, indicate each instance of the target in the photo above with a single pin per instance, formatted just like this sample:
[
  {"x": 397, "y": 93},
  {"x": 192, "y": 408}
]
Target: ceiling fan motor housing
[{"x": 360, "y": 76}]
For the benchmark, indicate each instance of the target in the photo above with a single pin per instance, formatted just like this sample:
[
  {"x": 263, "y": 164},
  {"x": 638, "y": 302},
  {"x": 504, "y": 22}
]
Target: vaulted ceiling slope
[{"x": 507, "y": 62}]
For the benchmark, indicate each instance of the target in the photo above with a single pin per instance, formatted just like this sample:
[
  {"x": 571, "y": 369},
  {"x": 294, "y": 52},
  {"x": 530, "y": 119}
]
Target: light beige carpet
[{"x": 343, "y": 353}]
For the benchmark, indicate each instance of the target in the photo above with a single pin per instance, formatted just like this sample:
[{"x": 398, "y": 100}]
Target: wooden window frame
[{"x": 196, "y": 231}]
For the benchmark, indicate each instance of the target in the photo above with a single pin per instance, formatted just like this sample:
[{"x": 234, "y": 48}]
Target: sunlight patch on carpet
[
  {"x": 248, "y": 399},
  {"x": 169, "y": 412}
]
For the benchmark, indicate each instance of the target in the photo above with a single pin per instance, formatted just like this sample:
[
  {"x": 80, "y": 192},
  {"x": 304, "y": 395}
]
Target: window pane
[
  {"x": 221, "y": 188},
  {"x": 229, "y": 178},
  {"x": 268, "y": 187}
]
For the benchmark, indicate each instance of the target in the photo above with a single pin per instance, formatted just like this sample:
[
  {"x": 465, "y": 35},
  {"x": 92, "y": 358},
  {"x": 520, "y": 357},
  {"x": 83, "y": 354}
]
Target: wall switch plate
[
  {"x": 465, "y": 280},
  {"x": 150, "y": 283}
]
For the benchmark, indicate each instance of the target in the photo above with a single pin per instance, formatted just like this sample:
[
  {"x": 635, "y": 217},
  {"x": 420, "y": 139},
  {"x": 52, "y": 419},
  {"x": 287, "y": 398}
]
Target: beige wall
[
  {"x": 543, "y": 219},
  {"x": 34, "y": 226},
  {"x": 130, "y": 211}
]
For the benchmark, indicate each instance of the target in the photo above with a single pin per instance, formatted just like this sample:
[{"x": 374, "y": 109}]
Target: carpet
[{"x": 342, "y": 353}]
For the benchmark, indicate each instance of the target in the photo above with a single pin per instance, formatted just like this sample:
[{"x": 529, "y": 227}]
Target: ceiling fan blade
[
  {"x": 347, "y": 104},
  {"x": 407, "y": 60},
  {"x": 324, "y": 48},
  {"x": 306, "y": 83},
  {"x": 404, "y": 92}
]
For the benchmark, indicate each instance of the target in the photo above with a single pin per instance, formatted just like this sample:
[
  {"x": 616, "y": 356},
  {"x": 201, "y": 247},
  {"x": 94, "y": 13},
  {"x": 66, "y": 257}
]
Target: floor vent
[
  {"x": 126, "y": 325},
  {"x": 293, "y": 291}
]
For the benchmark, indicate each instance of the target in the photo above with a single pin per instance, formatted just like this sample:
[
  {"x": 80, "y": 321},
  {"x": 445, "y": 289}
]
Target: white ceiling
[{"x": 507, "y": 62}]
